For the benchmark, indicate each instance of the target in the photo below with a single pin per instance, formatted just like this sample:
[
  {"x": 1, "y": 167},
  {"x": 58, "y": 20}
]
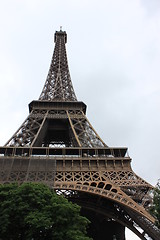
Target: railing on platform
[{"x": 63, "y": 152}]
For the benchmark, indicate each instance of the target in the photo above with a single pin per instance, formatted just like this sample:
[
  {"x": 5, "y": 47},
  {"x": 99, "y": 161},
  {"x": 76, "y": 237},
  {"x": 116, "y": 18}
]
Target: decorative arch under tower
[{"x": 58, "y": 146}]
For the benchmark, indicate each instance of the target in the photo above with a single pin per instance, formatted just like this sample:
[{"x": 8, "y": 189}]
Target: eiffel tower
[{"x": 58, "y": 146}]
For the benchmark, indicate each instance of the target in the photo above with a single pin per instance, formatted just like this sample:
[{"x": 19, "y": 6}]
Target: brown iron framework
[{"x": 57, "y": 145}]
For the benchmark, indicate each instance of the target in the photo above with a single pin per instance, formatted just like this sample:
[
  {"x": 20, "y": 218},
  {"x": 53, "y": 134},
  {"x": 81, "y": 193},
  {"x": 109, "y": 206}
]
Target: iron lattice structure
[{"x": 57, "y": 145}]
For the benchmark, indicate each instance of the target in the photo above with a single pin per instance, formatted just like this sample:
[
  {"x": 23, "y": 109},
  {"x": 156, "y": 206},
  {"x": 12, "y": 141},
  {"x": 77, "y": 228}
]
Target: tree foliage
[
  {"x": 35, "y": 212},
  {"x": 155, "y": 208}
]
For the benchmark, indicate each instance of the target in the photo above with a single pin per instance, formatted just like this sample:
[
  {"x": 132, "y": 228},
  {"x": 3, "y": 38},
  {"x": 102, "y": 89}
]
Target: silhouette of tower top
[{"x": 58, "y": 85}]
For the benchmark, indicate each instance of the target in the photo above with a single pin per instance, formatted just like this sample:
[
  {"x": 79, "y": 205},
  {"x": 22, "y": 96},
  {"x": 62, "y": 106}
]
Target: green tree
[
  {"x": 34, "y": 212},
  {"x": 155, "y": 208}
]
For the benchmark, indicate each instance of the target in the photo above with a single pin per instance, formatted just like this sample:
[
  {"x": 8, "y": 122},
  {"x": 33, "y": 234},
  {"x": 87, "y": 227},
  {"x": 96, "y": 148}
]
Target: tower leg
[{"x": 104, "y": 229}]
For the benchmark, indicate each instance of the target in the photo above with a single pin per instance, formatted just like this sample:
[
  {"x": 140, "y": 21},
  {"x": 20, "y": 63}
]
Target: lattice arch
[{"x": 105, "y": 190}]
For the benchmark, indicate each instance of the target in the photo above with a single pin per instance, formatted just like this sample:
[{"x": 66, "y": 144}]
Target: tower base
[{"x": 102, "y": 228}]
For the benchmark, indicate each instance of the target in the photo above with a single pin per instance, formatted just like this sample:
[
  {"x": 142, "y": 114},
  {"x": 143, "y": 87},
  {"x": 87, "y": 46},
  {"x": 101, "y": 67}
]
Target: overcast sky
[{"x": 113, "y": 51}]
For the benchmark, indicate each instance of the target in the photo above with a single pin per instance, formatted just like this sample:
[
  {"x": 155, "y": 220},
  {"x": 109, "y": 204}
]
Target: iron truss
[
  {"x": 58, "y": 146},
  {"x": 77, "y": 127},
  {"x": 58, "y": 85},
  {"x": 97, "y": 172}
]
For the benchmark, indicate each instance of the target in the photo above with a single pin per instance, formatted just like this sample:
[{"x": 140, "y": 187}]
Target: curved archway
[
  {"x": 113, "y": 194},
  {"x": 125, "y": 208}
]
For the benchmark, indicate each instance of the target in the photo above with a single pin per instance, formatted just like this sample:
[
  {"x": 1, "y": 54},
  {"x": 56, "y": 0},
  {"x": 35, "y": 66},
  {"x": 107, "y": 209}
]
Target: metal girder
[
  {"x": 27, "y": 133},
  {"x": 80, "y": 131},
  {"x": 112, "y": 211},
  {"x": 58, "y": 146},
  {"x": 58, "y": 85}
]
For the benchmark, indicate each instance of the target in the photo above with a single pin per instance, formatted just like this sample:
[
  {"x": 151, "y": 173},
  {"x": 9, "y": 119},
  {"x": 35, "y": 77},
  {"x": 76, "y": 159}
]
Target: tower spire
[{"x": 58, "y": 85}]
